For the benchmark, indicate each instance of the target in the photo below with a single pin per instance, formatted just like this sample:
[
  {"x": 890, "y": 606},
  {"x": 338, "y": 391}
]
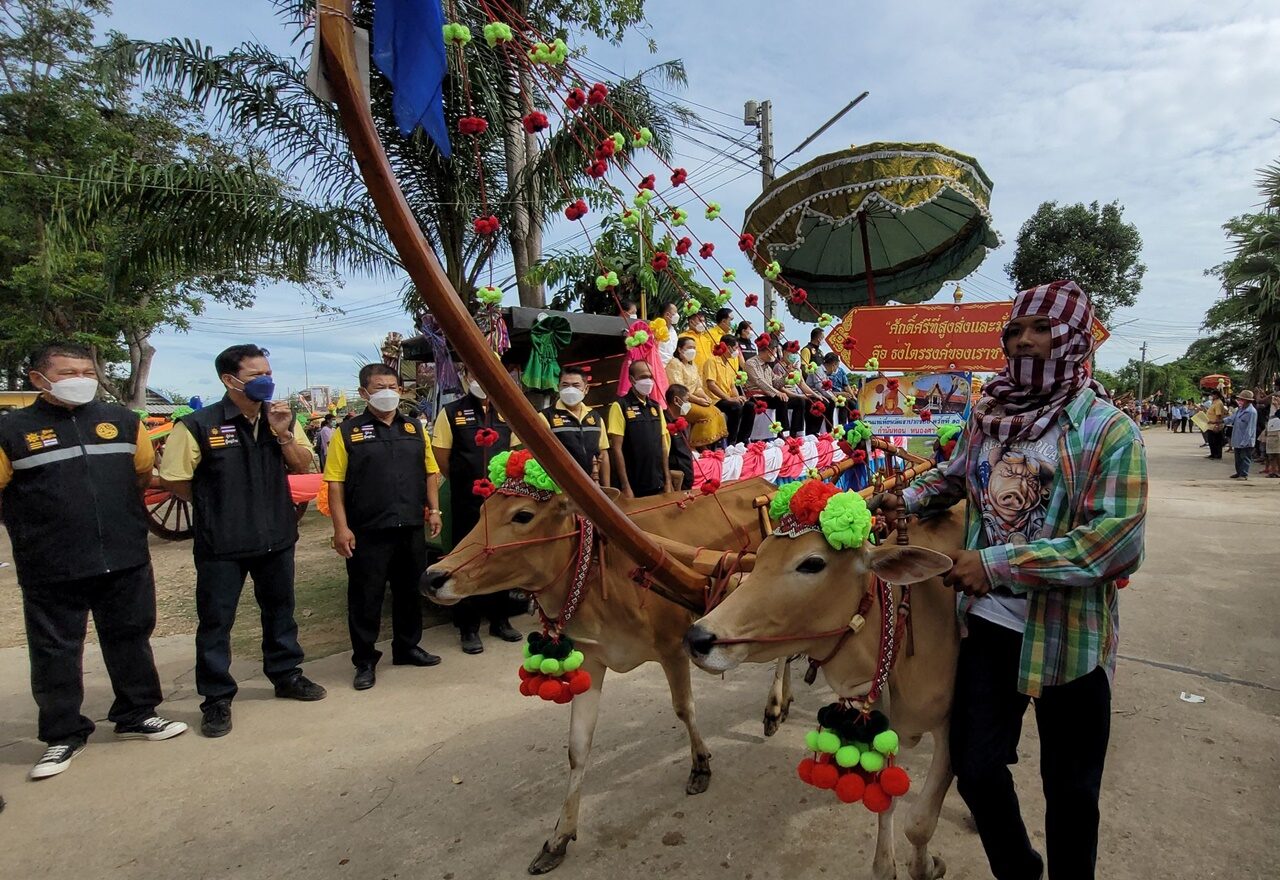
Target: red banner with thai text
[{"x": 964, "y": 336}]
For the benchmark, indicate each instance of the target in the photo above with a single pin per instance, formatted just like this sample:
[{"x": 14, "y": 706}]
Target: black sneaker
[
  {"x": 55, "y": 760},
  {"x": 154, "y": 729},
  {"x": 471, "y": 643},
  {"x": 300, "y": 688},
  {"x": 215, "y": 719},
  {"x": 504, "y": 630},
  {"x": 364, "y": 678}
]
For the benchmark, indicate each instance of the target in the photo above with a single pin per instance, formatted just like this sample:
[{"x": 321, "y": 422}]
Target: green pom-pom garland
[
  {"x": 498, "y": 468},
  {"x": 845, "y": 521},
  {"x": 781, "y": 503},
  {"x": 538, "y": 478}
]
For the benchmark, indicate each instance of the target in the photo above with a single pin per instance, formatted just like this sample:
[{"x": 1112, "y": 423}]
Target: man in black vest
[
  {"x": 468, "y": 433},
  {"x": 232, "y": 459},
  {"x": 382, "y": 478},
  {"x": 72, "y": 471},
  {"x": 579, "y": 427},
  {"x": 638, "y": 438}
]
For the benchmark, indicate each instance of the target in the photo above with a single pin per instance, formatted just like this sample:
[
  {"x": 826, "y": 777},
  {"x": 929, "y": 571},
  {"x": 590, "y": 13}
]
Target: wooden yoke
[{"x": 672, "y": 580}]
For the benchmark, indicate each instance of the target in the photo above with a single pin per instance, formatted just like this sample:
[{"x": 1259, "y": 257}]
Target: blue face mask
[{"x": 259, "y": 388}]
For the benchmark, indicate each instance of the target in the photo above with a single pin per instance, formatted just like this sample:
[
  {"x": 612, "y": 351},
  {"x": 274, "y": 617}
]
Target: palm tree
[
  {"x": 262, "y": 96},
  {"x": 1250, "y": 308}
]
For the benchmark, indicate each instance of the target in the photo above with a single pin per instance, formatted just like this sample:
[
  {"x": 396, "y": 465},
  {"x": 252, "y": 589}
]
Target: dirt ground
[{"x": 448, "y": 773}]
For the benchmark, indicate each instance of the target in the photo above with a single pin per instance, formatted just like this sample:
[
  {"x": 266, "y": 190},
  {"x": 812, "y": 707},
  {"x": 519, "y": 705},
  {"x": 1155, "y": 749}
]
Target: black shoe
[
  {"x": 415, "y": 656},
  {"x": 364, "y": 678},
  {"x": 300, "y": 688},
  {"x": 215, "y": 719},
  {"x": 504, "y": 630},
  {"x": 471, "y": 643}
]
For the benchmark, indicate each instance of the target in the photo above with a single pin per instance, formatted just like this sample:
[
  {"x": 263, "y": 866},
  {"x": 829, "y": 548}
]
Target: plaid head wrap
[{"x": 1024, "y": 400}]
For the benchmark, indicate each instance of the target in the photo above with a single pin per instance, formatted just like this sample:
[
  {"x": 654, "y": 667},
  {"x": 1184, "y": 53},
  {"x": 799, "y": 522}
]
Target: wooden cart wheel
[{"x": 168, "y": 516}]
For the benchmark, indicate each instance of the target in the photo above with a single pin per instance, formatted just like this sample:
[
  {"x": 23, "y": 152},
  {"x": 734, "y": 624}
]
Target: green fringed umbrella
[
  {"x": 546, "y": 337},
  {"x": 875, "y": 223}
]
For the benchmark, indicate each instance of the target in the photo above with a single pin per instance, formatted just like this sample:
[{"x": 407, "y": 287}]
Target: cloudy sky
[{"x": 1168, "y": 106}]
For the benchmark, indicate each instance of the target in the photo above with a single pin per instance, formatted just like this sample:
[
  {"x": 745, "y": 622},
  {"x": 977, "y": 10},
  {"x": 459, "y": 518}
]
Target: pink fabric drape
[{"x": 647, "y": 352}]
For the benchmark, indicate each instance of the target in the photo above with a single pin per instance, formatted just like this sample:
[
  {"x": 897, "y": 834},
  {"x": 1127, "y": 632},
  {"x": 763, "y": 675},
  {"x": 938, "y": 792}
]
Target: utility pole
[
  {"x": 1142, "y": 375},
  {"x": 761, "y": 116}
]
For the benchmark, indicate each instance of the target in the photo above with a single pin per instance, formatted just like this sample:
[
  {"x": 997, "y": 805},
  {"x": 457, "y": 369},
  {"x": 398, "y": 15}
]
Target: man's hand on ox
[
  {"x": 967, "y": 573},
  {"x": 888, "y": 506}
]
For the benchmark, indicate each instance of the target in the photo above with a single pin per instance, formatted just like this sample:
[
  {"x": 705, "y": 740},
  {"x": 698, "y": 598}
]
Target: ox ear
[
  {"x": 895, "y": 564},
  {"x": 568, "y": 505}
]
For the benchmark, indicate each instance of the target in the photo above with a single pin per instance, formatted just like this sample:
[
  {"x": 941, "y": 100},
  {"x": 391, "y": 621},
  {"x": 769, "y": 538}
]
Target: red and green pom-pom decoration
[
  {"x": 854, "y": 755},
  {"x": 552, "y": 669}
]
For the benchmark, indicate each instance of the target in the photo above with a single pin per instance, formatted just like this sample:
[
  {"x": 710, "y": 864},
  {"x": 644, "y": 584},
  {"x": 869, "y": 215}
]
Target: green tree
[
  {"x": 1248, "y": 315},
  {"x": 1089, "y": 244},
  {"x": 263, "y": 97}
]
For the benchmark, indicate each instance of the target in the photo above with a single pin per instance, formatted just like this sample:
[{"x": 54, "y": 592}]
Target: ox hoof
[
  {"x": 774, "y": 719},
  {"x": 935, "y": 870},
  {"x": 550, "y": 858},
  {"x": 699, "y": 780}
]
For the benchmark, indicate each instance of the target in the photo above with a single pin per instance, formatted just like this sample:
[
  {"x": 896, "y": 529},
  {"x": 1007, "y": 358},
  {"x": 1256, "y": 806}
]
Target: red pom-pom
[
  {"x": 875, "y": 799},
  {"x": 597, "y": 169},
  {"x": 706, "y": 250},
  {"x": 825, "y": 776},
  {"x": 1121, "y": 583},
  {"x": 483, "y": 488},
  {"x": 855, "y": 415},
  {"x": 719, "y": 349},
  {"x": 576, "y": 99},
  {"x": 549, "y": 689},
  {"x": 764, "y": 340},
  {"x": 810, "y": 498},
  {"x": 805, "y": 770},
  {"x": 817, "y": 408},
  {"x": 746, "y": 242},
  {"x": 859, "y": 456},
  {"x": 516, "y": 463},
  {"x": 472, "y": 125},
  {"x": 527, "y": 689},
  {"x": 598, "y": 94},
  {"x": 827, "y": 385},
  {"x": 660, "y": 261},
  {"x": 565, "y": 694},
  {"x": 793, "y": 347},
  {"x": 893, "y": 384},
  {"x": 710, "y": 487},
  {"x": 799, "y": 295},
  {"x": 535, "y": 121},
  {"x": 762, "y": 406},
  {"x": 683, "y": 245},
  {"x": 679, "y": 176},
  {"x": 926, "y": 415},
  {"x": 577, "y": 210},
  {"x": 524, "y": 674},
  {"x": 606, "y": 148},
  {"x": 850, "y": 788},
  {"x": 895, "y": 781},
  {"x": 648, "y": 182},
  {"x": 677, "y": 426},
  {"x": 752, "y": 300},
  {"x": 486, "y": 437},
  {"x": 486, "y": 225},
  {"x": 579, "y": 681},
  {"x": 850, "y": 343}
]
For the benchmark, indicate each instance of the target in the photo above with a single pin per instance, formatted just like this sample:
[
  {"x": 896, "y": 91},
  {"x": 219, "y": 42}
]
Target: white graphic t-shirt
[{"x": 1015, "y": 481}]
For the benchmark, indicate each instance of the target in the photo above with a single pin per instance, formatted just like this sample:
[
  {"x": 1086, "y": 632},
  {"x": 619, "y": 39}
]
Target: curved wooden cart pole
[{"x": 672, "y": 580}]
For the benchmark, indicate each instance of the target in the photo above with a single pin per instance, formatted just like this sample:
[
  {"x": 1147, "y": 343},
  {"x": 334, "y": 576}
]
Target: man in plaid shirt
[{"x": 1056, "y": 483}]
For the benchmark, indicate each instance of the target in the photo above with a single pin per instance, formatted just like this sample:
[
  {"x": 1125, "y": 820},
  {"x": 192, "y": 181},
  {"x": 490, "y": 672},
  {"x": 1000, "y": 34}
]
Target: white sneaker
[
  {"x": 55, "y": 760},
  {"x": 154, "y": 729}
]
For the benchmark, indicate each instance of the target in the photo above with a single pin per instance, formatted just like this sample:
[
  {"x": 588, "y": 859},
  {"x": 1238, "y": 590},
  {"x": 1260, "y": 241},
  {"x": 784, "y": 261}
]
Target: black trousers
[
  {"x": 813, "y": 424},
  {"x": 791, "y": 414},
  {"x": 1074, "y": 721},
  {"x": 123, "y": 605},
  {"x": 218, "y": 586},
  {"x": 740, "y": 418},
  {"x": 395, "y": 556},
  {"x": 1216, "y": 440}
]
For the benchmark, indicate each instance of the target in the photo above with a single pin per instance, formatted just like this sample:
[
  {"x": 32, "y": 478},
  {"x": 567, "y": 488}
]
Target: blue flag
[{"x": 408, "y": 47}]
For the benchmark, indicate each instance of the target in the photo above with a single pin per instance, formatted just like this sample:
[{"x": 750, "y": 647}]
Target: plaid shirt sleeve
[
  {"x": 1109, "y": 540},
  {"x": 942, "y": 487}
]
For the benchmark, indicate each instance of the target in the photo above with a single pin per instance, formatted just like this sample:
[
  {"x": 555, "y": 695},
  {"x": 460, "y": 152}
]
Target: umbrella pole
[{"x": 866, "y": 258}]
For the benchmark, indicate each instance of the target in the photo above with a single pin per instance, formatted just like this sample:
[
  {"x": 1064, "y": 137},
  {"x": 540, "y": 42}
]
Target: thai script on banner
[{"x": 895, "y": 405}]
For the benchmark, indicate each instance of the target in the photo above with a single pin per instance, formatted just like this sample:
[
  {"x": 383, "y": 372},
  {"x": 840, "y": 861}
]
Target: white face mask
[
  {"x": 75, "y": 391},
  {"x": 571, "y": 396},
  {"x": 644, "y": 386},
  {"x": 385, "y": 401},
  {"x": 474, "y": 387},
  {"x": 688, "y": 354},
  {"x": 685, "y": 407}
]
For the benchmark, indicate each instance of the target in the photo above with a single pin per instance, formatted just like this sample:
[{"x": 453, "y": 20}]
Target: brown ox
[
  {"x": 801, "y": 585},
  {"x": 618, "y": 625}
]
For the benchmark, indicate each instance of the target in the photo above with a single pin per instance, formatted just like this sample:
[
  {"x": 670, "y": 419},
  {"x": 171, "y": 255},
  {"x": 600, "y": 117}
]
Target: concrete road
[{"x": 448, "y": 773}]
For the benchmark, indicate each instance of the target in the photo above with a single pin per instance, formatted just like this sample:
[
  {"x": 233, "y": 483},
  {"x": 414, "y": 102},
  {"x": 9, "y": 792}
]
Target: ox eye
[
  {"x": 523, "y": 516},
  {"x": 812, "y": 565}
]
